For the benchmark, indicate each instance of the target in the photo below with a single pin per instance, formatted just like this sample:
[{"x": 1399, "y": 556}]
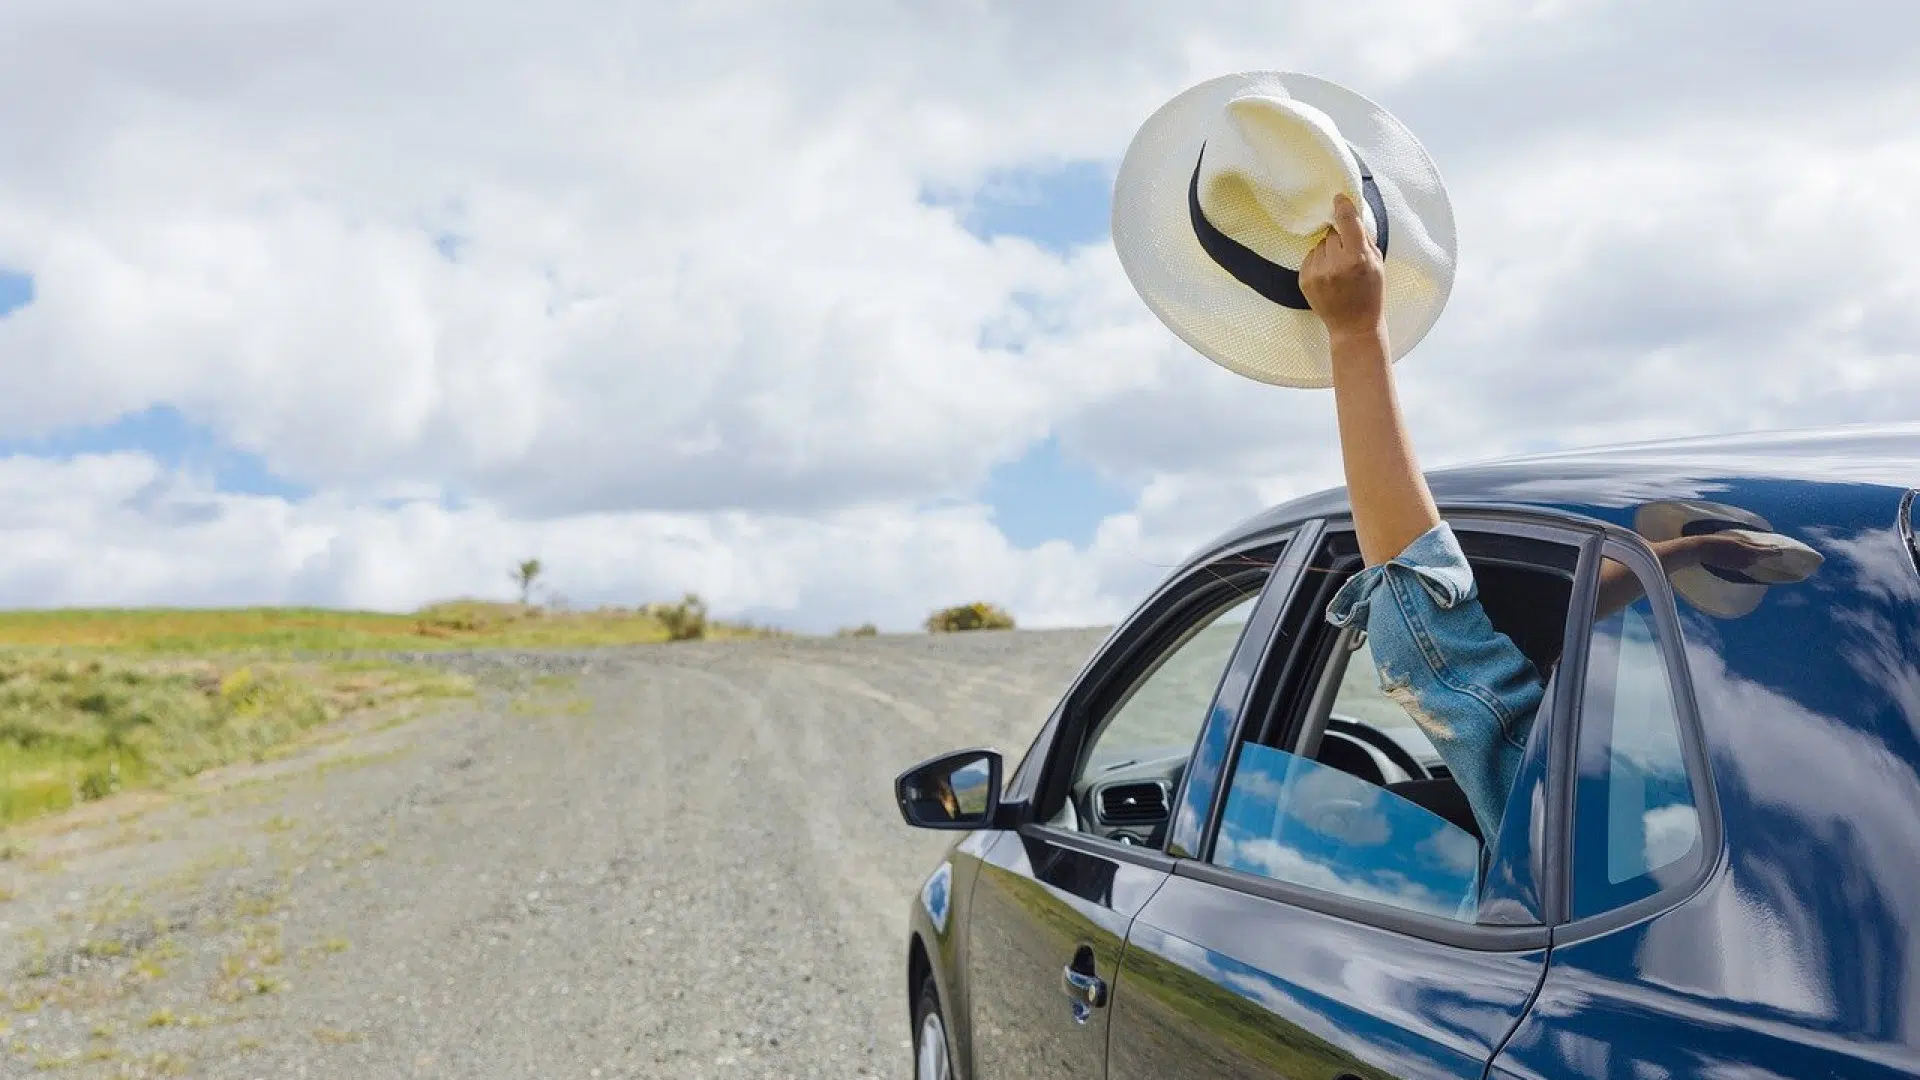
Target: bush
[
  {"x": 684, "y": 621},
  {"x": 863, "y": 630},
  {"x": 975, "y": 616}
]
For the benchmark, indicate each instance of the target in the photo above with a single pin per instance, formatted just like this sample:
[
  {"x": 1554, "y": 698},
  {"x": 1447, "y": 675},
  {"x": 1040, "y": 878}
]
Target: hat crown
[
  {"x": 1271, "y": 167},
  {"x": 1225, "y": 191}
]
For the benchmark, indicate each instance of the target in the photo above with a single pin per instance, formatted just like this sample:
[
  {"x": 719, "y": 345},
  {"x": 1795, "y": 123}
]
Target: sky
[{"x": 811, "y": 308}]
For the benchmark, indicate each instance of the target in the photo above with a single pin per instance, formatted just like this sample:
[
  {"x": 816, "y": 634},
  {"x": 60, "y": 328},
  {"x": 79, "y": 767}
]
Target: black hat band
[{"x": 1271, "y": 280}]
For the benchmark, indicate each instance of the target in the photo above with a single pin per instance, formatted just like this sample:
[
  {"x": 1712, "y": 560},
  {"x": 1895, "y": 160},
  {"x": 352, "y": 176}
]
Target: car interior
[
  {"x": 1339, "y": 717},
  {"x": 1348, "y": 723}
]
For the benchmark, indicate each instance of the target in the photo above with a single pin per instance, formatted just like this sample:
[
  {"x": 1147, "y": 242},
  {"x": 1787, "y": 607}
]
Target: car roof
[{"x": 1607, "y": 482}]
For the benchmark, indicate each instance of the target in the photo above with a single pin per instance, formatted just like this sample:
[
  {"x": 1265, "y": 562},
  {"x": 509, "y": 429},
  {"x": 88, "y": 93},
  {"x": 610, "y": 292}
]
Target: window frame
[
  {"x": 1279, "y": 671},
  {"x": 1910, "y": 525},
  {"x": 1670, "y": 639},
  {"x": 1157, "y": 623}
]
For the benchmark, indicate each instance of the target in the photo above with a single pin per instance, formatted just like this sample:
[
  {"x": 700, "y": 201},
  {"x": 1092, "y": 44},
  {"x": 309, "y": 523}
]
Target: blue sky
[
  {"x": 16, "y": 291},
  {"x": 161, "y": 431},
  {"x": 1047, "y": 494}
]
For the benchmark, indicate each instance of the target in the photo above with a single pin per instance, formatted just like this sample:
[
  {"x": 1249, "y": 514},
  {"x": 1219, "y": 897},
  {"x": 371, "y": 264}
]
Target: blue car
[{"x": 1230, "y": 854}]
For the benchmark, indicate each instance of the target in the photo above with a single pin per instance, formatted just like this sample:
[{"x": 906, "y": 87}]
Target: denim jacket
[{"x": 1466, "y": 685}]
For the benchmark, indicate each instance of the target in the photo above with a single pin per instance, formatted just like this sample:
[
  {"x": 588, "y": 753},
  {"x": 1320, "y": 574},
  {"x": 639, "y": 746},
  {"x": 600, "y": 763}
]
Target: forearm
[
  {"x": 1392, "y": 506},
  {"x": 1620, "y": 586}
]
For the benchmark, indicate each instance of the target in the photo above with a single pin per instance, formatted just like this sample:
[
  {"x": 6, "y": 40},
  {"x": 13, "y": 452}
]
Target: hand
[
  {"x": 1344, "y": 278},
  {"x": 1731, "y": 550},
  {"x": 1722, "y": 550}
]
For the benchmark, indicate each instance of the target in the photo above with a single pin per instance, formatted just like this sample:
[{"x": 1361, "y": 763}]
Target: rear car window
[{"x": 1636, "y": 816}]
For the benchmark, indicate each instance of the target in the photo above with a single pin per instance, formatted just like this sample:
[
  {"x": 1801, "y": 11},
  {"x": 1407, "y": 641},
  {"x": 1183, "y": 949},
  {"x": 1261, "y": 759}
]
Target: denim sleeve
[{"x": 1467, "y": 686}]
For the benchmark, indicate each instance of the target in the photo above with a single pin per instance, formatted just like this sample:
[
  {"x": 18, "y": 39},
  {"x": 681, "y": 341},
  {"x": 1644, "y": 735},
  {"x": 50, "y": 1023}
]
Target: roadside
[{"x": 666, "y": 862}]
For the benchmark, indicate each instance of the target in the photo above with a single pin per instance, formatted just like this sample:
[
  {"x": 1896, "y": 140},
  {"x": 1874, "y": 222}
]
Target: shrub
[
  {"x": 974, "y": 616},
  {"x": 863, "y": 630},
  {"x": 684, "y": 621}
]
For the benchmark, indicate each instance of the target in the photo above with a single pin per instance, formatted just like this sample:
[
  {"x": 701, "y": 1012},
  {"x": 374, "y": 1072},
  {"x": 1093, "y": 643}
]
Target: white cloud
[
  {"x": 703, "y": 331},
  {"x": 119, "y": 529}
]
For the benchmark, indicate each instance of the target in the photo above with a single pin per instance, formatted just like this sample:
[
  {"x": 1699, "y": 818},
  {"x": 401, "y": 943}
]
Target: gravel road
[{"x": 680, "y": 861}]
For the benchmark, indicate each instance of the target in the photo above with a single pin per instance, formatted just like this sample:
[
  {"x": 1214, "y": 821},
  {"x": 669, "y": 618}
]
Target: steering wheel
[{"x": 1401, "y": 758}]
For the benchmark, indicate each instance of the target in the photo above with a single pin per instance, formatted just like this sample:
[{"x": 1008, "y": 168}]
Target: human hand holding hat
[{"x": 1344, "y": 277}]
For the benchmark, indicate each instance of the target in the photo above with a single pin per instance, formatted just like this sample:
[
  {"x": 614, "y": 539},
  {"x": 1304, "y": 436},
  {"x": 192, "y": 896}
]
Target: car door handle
[{"x": 1085, "y": 991}]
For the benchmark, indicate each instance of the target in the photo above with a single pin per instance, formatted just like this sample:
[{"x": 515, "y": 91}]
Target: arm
[
  {"x": 1464, "y": 684},
  {"x": 1344, "y": 280}
]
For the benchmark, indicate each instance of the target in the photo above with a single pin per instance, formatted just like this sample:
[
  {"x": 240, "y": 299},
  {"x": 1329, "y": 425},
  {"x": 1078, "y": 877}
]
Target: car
[{"x": 1228, "y": 853}]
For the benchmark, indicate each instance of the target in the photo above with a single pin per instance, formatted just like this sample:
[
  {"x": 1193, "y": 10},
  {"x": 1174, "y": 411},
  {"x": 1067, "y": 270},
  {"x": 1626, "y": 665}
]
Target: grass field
[
  {"x": 75, "y": 728},
  {"x": 467, "y": 624},
  {"x": 94, "y": 702}
]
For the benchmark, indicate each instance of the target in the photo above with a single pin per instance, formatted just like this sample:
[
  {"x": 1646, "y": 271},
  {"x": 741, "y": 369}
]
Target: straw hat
[{"x": 1227, "y": 187}]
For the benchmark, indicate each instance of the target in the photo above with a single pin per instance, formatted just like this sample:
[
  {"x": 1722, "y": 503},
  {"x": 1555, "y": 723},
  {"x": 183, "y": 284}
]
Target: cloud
[
  {"x": 665, "y": 281},
  {"x": 123, "y": 529}
]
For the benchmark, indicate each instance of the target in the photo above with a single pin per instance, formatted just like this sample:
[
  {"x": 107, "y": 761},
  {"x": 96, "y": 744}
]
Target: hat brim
[{"x": 1227, "y": 321}]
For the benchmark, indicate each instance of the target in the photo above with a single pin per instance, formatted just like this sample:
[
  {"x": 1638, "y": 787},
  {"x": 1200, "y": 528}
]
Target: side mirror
[{"x": 958, "y": 791}]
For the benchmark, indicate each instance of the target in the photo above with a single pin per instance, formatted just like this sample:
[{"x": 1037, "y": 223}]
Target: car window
[
  {"x": 1636, "y": 820},
  {"x": 1124, "y": 784},
  {"x": 1340, "y": 792},
  {"x": 1296, "y": 820},
  {"x": 1164, "y": 712},
  {"x": 1325, "y": 817}
]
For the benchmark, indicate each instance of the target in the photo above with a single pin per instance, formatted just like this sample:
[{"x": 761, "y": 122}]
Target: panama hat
[
  {"x": 1226, "y": 188},
  {"x": 1719, "y": 591}
]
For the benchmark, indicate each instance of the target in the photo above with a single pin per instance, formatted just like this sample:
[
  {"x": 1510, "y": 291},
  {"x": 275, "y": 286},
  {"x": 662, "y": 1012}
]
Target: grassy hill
[
  {"x": 94, "y": 702},
  {"x": 460, "y": 624}
]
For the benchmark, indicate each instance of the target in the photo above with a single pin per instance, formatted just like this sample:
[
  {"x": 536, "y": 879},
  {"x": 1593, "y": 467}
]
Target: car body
[{"x": 1710, "y": 865}]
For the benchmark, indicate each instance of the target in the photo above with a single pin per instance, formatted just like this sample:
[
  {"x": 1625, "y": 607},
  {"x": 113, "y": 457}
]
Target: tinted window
[
  {"x": 1298, "y": 821},
  {"x": 1144, "y": 739},
  {"x": 1636, "y": 825},
  {"x": 1163, "y": 714},
  {"x": 1326, "y": 819}
]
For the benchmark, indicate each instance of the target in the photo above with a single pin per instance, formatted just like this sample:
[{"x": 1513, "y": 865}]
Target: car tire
[{"x": 932, "y": 1047}]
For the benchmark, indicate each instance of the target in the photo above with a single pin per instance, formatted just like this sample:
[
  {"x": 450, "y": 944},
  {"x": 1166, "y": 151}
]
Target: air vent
[
  {"x": 1133, "y": 804},
  {"x": 1439, "y": 772}
]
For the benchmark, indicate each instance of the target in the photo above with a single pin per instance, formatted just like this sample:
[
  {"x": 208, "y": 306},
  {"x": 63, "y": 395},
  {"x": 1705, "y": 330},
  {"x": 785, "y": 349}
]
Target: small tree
[
  {"x": 524, "y": 575},
  {"x": 863, "y": 630},
  {"x": 974, "y": 616},
  {"x": 684, "y": 621}
]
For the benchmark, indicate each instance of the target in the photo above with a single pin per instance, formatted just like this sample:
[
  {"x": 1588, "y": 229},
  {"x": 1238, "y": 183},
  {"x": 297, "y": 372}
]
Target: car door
[
  {"x": 1049, "y": 910},
  {"x": 1341, "y": 918},
  {"x": 1742, "y": 845}
]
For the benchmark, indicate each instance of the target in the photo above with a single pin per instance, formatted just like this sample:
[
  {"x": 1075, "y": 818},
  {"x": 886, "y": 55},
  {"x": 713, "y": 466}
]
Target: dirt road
[{"x": 680, "y": 861}]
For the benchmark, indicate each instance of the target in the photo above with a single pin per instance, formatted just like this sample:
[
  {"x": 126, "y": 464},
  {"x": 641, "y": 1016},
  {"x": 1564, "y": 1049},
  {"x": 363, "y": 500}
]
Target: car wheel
[{"x": 930, "y": 1053}]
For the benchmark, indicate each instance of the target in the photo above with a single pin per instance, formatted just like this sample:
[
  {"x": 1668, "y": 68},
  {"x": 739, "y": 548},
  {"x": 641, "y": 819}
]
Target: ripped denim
[{"x": 1466, "y": 685}]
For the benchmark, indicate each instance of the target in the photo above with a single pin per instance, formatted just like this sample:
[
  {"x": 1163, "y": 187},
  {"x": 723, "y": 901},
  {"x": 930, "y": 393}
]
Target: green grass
[
  {"x": 75, "y": 728},
  {"x": 459, "y": 624},
  {"x": 99, "y": 701}
]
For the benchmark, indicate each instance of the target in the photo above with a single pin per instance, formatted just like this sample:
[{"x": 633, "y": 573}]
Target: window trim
[
  {"x": 1631, "y": 549},
  {"x": 1908, "y": 512},
  {"x": 1119, "y": 657},
  {"x": 1476, "y": 936},
  {"x": 1583, "y": 534}
]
